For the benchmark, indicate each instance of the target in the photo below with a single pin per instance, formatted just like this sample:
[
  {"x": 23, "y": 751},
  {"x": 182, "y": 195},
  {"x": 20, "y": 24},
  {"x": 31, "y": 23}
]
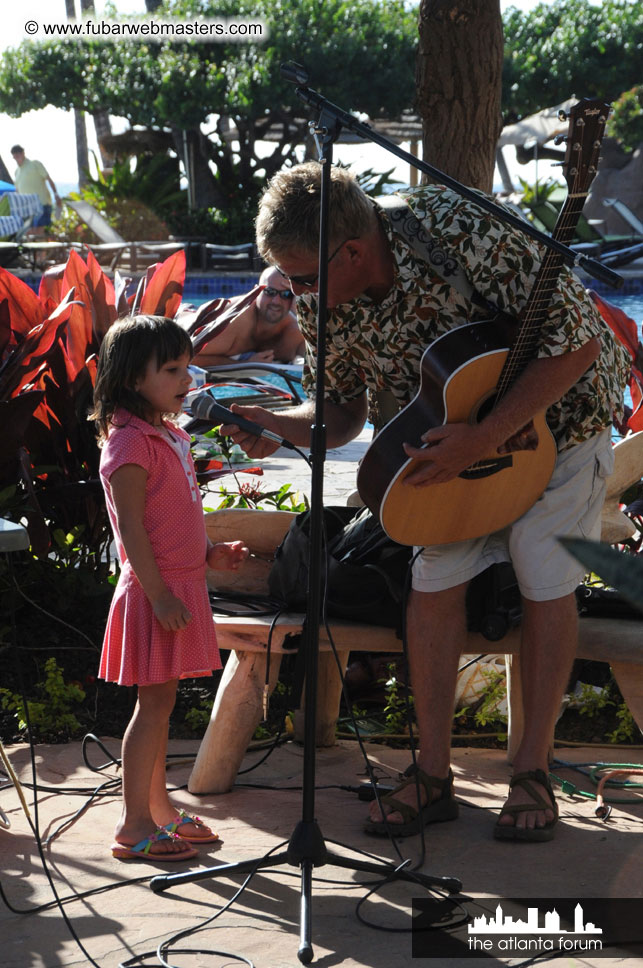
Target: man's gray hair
[{"x": 288, "y": 219}]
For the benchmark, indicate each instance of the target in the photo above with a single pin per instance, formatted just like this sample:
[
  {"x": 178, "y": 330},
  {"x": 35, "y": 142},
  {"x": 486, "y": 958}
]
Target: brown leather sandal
[
  {"x": 445, "y": 807},
  {"x": 533, "y": 834}
]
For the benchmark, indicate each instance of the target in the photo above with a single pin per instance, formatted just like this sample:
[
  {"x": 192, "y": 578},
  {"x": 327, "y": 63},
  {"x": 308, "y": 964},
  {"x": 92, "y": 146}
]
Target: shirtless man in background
[{"x": 266, "y": 332}]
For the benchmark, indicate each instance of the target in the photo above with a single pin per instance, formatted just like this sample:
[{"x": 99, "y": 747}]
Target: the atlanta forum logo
[{"x": 503, "y": 932}]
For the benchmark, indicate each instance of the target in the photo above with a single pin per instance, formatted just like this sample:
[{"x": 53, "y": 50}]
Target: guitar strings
[{"x": 533, "y": 314}]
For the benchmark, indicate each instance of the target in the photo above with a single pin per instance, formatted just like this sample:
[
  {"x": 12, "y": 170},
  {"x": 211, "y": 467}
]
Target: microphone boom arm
[{"x": 293, "y": 72}]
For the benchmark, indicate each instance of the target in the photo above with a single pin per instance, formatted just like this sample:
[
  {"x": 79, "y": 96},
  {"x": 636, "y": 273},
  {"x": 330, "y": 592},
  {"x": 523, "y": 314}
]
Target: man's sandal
[
  {"x": 533, "y": 834},
  {"x": 445, "y": 807}
]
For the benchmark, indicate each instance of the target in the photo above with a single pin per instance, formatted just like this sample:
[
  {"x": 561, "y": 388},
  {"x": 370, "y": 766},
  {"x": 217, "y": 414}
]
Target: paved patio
[
  {"x": 588, "y": 859},
  {"x": 121, "y": 918}
]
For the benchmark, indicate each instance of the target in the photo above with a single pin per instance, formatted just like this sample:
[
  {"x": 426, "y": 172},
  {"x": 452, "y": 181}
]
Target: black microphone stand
[{"x": 307, "y": 848}]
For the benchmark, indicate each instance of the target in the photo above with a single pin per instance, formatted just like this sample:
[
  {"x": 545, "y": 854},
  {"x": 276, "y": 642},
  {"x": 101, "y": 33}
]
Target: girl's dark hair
[{"x": 127, "y": 348}]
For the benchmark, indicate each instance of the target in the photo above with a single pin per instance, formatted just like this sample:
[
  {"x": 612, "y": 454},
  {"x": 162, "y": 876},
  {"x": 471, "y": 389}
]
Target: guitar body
[
  {"x": 463, "y": 374},
  {"x": 459, "y": 375}
]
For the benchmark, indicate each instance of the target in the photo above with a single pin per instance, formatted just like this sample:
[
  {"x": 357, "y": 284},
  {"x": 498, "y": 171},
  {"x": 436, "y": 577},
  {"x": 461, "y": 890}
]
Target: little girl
[{"x": 160, "y": 627}]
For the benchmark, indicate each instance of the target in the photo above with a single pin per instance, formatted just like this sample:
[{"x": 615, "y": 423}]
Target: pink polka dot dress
[{"x": 136, "y": 649}]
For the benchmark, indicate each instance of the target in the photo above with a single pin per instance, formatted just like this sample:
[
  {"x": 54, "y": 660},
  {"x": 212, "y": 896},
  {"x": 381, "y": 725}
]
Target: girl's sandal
[
  {"x": 445, "y": 807},
  {"x": 209, "y": 836},
  {"x": 528, "y": 834},
  {"x": 143, "y": 850}
]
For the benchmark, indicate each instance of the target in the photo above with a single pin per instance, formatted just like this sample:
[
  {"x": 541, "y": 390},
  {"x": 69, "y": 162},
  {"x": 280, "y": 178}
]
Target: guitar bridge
[{"x": 485, "y": 468}]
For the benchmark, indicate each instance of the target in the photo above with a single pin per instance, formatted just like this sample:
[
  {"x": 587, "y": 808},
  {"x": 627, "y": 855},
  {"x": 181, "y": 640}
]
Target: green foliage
[
  {"x": 250, "y": 495},
  {"x": 539, "y": 192},
  {"x": 49, "y": 716},
  {"x": 495, "y": 691},
  {"x": 627, "y": 731},
  {"x": 570, "y": 47},
  {"x": 626, "y": 121},
  {"x": 592, "y": 701},
  {"x": 360, "y": 54},
  {"x": 398, "y": 703},
  {"x": 198, "y": 717}
]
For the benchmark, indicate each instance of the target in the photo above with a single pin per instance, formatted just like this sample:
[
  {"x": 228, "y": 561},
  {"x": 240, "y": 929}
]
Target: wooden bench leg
[
  {"x": 329, "y": 694},
  {"x": 629, "y": 679},
  {"x": 236, "y": 713}
]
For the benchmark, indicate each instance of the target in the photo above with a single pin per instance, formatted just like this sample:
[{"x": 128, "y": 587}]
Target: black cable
[
  {"x": 35, "y": 824},
  {"x": 186, "y": 932}
]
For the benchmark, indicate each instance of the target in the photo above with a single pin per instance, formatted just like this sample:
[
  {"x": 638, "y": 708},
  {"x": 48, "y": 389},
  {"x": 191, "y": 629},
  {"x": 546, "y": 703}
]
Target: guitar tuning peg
[
  {"x": 560, "y": 139},
  {"x": 562, "y": 115}
]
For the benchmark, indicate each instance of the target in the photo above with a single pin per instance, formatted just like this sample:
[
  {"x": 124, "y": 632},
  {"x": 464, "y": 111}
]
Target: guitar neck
[
  {"x": 533, "y": 314},
  {"x": 587, "y": 123}
]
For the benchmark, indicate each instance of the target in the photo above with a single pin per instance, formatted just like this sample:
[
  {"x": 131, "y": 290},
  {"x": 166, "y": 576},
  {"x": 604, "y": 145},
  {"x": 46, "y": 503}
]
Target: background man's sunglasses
[{"x": 282, "y": 293}]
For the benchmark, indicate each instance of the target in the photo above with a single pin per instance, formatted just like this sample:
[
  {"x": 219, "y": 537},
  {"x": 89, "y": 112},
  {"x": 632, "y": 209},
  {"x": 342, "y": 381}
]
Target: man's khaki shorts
[{"x": 570, "y": 507}]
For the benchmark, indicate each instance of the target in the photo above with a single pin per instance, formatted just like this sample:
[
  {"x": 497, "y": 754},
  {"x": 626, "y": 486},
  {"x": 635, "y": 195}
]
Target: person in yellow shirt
[{"x": 31, "y": 178}]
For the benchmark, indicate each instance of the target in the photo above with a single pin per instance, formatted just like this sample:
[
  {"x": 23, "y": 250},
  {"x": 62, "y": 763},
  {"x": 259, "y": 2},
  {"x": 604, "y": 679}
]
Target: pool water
[{"x": 630, "y": 303}]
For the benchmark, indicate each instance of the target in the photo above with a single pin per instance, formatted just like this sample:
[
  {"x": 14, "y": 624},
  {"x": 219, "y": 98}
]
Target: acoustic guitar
[{"x": 464, "y": 374}]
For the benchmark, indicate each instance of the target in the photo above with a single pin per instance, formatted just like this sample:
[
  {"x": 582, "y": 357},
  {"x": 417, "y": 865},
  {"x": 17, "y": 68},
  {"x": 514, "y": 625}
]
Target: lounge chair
[
  {"x": 17, "y": 214},
  {"x": 271, "y": 385},
  {"x": 626, "y": 214},
  {"x": 135, "y": 255},
  {"x": 231, "y": 257}
]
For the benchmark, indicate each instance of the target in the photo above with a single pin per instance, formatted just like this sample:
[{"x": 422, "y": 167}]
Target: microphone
[{"x": 205, "y": 408}]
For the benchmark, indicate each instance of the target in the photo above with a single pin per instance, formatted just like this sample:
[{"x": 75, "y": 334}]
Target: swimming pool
[{"x": 200, "y": 289}]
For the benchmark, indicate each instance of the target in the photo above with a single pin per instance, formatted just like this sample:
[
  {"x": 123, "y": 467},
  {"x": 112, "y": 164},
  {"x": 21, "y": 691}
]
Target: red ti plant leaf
[
  {"x": 103, "y": 296},
  {"x": 50, "y": 291},
  {"x": 5, "y": 326},
  {"x": 626, "y": 330},
  {"x": 79, "y": 336},
  {"x": 164, "y": 290},
  {"x": 212, "y": 318},
  {"x": 25, "y": 310},
  {"x": 27, "y": 359}
]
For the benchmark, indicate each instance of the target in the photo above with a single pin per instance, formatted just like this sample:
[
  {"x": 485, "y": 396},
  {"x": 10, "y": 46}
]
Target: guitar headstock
[{"x": 587, "y": 120}]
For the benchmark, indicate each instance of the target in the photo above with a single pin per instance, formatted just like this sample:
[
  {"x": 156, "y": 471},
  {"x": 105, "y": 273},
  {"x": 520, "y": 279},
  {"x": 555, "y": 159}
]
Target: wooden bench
[{"x": 238, "y": 705}]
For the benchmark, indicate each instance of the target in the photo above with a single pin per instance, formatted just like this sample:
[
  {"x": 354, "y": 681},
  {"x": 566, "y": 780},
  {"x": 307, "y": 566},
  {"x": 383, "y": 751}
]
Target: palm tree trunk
[
  {"x": 102, "y": 121},
  {"x": 82, "y": 153},
  {"x": 458, "y": 80}
]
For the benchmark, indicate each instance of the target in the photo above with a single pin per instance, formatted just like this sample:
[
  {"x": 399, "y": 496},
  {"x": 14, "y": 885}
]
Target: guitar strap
[{"x": 409, "y": 227}]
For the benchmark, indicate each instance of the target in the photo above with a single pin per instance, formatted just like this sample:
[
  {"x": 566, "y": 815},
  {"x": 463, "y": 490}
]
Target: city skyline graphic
[{"x": 506, "y": 925}]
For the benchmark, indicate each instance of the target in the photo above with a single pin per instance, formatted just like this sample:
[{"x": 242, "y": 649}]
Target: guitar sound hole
[{"x": 484, "y": 409}]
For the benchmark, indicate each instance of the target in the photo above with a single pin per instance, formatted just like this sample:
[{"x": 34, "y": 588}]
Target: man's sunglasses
[
  {"x": 286, "y": 294},
  {"x": 310, "y": 281}
]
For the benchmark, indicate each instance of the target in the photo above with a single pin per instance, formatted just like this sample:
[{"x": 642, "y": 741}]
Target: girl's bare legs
[
  {"x": 143, "y": 766},
  {"x": 161, "y": 806}
]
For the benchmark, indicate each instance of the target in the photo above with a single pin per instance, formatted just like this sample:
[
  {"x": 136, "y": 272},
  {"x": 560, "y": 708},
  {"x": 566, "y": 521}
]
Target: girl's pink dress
[{"x": 136, "y": 649}]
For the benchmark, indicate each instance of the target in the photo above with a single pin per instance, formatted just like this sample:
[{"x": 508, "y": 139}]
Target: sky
[{"x": 49, "y": 136}]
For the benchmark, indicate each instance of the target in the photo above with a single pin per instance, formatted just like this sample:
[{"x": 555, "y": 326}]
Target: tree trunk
[
  {"x": 458, "y": 81},
  {"x": 102, "y": 122},
  {"x": 82, "y": 154},
  {"x": 204, "y": 192}
]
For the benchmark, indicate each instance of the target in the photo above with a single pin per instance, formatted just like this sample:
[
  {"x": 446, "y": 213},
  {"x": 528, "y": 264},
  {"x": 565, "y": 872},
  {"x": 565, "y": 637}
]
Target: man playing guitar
[{"x": 386, "y": 306}]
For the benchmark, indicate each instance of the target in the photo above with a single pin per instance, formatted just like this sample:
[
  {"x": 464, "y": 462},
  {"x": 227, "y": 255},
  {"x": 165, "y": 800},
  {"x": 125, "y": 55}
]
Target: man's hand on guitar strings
[{"x": 450, "y": 449}]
